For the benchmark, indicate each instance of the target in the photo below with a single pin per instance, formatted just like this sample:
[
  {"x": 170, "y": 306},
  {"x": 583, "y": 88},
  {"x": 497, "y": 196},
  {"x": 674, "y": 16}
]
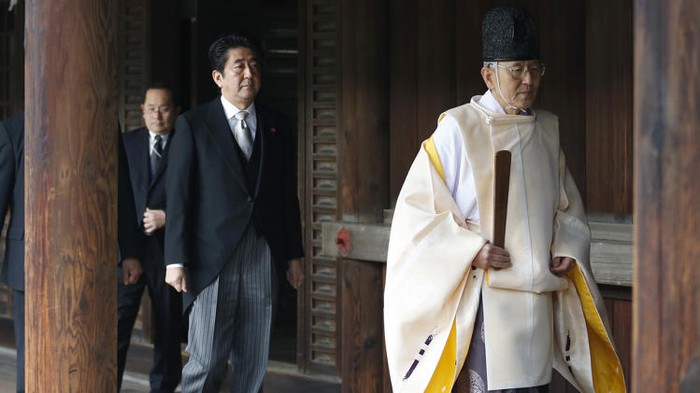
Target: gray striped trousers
[{"x": 232, "y": 318}]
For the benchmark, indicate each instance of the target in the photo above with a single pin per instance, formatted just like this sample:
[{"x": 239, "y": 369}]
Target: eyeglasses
[
  {"x": 153, "y": 111},
  {"x": 518, "y": 71}
]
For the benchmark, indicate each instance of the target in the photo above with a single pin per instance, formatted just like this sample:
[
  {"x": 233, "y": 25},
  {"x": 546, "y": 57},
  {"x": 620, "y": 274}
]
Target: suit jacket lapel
[
  {"x": 220, "y": 132},
  {"x": 142, "y": 152},
  {"x": 260, "y": 133}
]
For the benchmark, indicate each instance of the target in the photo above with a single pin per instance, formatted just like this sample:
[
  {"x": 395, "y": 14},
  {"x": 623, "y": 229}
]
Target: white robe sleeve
[
  {"x": 572, "y": 236},
  {"x": 459, "y": 177}
]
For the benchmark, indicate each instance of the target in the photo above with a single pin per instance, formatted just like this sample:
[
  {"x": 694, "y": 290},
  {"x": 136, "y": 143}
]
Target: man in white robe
[{"x": 454, "y": 302}]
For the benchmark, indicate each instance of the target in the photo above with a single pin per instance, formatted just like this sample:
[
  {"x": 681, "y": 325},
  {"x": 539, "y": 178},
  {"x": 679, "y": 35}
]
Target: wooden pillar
[
  {"x": 666, "y": 314},
  {"x": 71, "y": 195}
]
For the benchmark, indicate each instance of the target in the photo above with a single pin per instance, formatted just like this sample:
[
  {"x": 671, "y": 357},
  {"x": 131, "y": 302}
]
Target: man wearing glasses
[
  {"x": 461, "y": 313},
  {"x": 147, "y": 154}
]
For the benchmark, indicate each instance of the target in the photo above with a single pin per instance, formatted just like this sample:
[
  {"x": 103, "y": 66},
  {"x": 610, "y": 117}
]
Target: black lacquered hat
[{"x": 508, "y": 33}]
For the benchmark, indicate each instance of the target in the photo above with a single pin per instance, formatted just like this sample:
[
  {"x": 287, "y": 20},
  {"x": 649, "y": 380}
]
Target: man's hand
[
  {"x": 492, "y": 257},
  {"x": 561, "y": 265},
  {"x": 175, "y": 277},
  {"x": 153, "y": 220},
  {"x": 295, "y": 275},
  {"x": 131, "y": 270}
]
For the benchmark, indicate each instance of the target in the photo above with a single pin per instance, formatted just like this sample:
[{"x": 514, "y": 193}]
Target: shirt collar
[
  {"x": 152, "y": 137},
  {"x": 488, "y": 101},
  {"x": 230, "y": 110}
]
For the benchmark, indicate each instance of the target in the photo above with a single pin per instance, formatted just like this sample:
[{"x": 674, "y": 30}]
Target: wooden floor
[{"x": 281, "y": 377}]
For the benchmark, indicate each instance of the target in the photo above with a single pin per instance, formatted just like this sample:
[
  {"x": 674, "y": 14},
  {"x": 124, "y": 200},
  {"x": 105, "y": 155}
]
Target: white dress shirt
[{"x": 230, "y": 111}]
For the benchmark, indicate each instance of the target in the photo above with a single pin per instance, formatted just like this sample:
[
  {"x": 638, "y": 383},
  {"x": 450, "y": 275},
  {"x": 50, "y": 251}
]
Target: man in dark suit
[
  {"x": 12, "y": 200},
  {"x": 147, "y": 154},
  {"x": 233, "y": 219}
]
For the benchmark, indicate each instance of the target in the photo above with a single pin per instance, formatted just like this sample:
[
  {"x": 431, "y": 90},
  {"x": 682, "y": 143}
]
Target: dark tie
[{"x": 156, "y": 155}]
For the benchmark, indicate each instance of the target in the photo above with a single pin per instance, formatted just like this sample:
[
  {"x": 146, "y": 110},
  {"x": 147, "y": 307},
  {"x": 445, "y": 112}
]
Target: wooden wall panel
[
  {"x": 363, "y": 335},
  {"x": 608, "y": 106},
  {"x": 563, "y": 90},
  {"x": 134, "y": 61},
  {"x": 422, "y": 78},
  {"x": 364, "y": 120},
  {"x": 622, "y": 334},
  {"x": 405, "y": 135}
]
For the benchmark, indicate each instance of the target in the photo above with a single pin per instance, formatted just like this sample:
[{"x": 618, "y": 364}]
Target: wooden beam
[
  {"x": 666, "y": 337},
  {"x": 611, "y": 247},
  {"x": 71, "y": 195}
]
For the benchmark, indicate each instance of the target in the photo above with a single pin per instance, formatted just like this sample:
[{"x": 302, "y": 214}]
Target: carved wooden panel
[
  {"x": 133, "y": 61},
  {"x": 321, "y": 114},
  {"x": 134, "y": 58}
]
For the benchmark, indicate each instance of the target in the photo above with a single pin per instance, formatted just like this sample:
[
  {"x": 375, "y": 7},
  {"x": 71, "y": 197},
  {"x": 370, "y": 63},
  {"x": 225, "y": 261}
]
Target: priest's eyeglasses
[{"x": 518, "y": 71}]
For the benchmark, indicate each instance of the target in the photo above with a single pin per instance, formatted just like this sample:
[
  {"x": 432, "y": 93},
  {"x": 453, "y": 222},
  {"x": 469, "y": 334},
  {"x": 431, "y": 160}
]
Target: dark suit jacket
[
  {"x": 212, "y": 197},
  {"x": 127, "y": 231},
  {"x": 12, "y": 199},
  {"x": 147, "y": 192}
]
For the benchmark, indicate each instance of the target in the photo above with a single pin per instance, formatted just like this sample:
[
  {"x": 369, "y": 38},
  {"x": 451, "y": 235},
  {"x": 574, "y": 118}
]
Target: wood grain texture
[
  {"x": 563, "y": 91},
  {"x": 364, "y": 139},
  {"x": 363, "y": 333},
  {"x": 71, "y": 196},
  {"x": 500, "y": 196},
  {"x": 609, "y": 106},
  {"x": 666, "y": 316},
  {"x": 422, "y": 73}
]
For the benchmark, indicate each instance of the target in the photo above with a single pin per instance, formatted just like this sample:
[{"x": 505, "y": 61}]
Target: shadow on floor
[{"x": 281, "y": 377}]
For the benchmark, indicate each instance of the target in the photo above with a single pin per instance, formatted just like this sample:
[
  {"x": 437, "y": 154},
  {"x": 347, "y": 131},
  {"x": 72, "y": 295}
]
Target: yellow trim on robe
[
  {"x": 444, "y": 375},
  {"x": 430, "y": 148},
  {"x": 605, "y": 366}
]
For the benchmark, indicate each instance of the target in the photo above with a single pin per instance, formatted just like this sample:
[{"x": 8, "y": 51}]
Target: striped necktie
[{"x": 156, "y": 155}]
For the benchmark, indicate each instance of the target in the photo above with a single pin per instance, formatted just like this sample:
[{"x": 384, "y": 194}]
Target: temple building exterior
[{"x": 365, "y": 82}]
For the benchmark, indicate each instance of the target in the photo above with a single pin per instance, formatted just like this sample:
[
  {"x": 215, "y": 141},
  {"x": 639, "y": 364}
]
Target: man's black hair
[
  {"x": 159, "y": 85},
  {"x": 218, "y": 51}
]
